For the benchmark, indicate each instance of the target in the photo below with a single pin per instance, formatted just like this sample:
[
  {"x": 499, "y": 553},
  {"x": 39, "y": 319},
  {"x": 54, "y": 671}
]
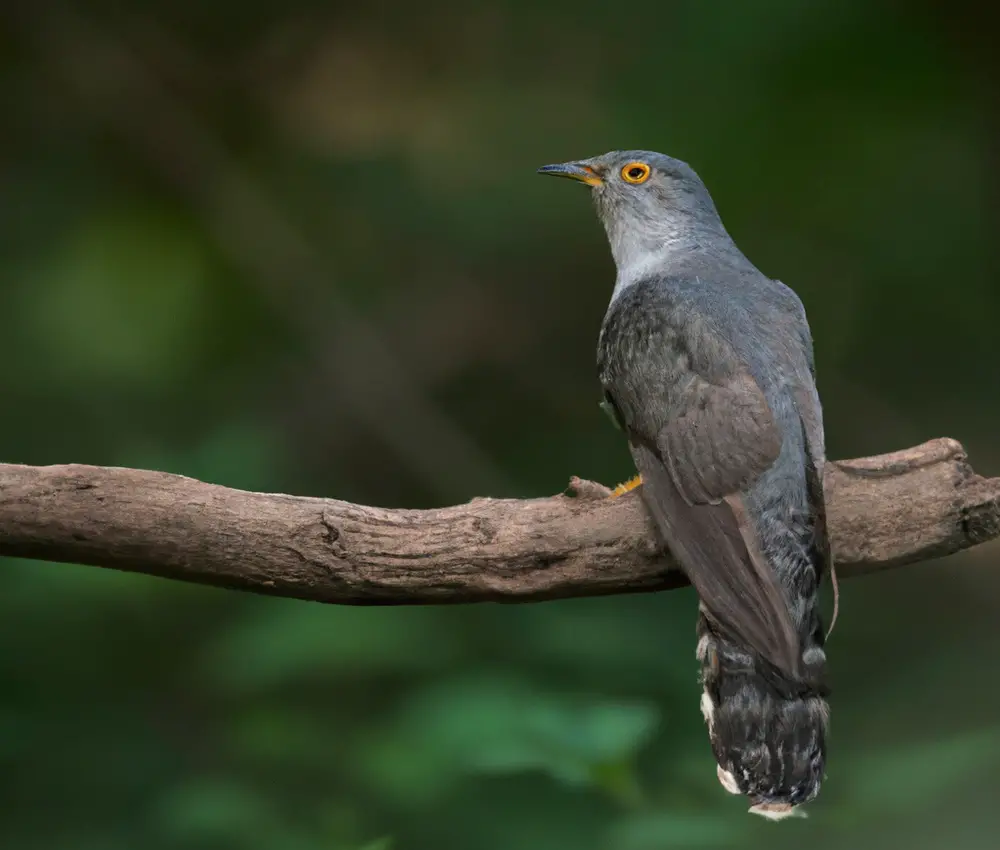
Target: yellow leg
[{"x": 622, "y": 489}]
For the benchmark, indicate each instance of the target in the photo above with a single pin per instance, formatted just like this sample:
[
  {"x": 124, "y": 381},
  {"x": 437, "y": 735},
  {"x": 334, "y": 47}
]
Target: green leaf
[
  {"x": 124, "y": 299},
  {"x": 661, "y": 830},
  {"x": 916, "y": 775},
  {"x": 494, "y": 725},
  {"x": 242, "y": 454},
  {"x": 287, "y": 640},
  {"x": 281, "y": 735},
  {"x": 215, "y": 810}
]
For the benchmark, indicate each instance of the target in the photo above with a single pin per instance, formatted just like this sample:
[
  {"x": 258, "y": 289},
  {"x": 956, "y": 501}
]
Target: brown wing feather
[
  {"x": 693, "y": 476},
  {"x": 717, "y": 549},
  {"x": 724, "y": 438}
]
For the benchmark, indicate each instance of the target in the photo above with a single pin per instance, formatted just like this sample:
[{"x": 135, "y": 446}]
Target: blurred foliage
[{"x": 300, "y": 247}]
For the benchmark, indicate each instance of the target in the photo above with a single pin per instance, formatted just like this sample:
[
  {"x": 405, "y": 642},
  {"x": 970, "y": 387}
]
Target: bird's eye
[{"x": 635, "y": 172}]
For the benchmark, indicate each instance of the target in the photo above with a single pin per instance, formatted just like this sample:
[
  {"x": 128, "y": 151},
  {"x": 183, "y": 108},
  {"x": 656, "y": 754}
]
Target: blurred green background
[{"x": 301, "y": 247}]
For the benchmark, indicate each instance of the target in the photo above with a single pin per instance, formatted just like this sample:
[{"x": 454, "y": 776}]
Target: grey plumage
[{"x": 708, "y": 367}]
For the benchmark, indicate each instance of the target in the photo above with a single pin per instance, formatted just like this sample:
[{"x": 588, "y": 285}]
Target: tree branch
[{"x": 884, "y": 511}]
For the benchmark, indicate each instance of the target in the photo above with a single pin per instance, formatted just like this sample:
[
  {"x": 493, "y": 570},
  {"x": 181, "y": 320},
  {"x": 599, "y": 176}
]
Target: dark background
[{"x": 301, "y": 248}]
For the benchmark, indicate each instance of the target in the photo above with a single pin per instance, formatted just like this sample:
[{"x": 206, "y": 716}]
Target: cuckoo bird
[{"x": 707, "y": 366}]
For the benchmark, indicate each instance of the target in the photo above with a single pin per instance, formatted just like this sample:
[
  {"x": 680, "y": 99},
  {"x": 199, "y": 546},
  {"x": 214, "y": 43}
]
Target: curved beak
[{"x": 575, "y": 171}]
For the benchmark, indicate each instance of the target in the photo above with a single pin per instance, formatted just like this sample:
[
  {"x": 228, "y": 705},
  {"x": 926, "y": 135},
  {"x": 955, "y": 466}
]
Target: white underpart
[
  {"x": 727, "y": 780},
  {"x": 777, "y": 811},
  {"x": 707, "y": 709}
]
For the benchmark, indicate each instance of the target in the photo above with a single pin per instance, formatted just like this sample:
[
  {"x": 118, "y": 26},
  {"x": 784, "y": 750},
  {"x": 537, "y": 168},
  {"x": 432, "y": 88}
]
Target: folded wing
[{"x": 710, "y": 440}]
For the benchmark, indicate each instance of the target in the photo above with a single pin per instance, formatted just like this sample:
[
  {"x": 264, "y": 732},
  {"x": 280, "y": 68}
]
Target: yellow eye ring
[{"x": 635, "y": 172}]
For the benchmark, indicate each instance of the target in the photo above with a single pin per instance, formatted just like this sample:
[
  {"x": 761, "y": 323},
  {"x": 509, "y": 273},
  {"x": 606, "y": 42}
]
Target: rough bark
[{"x": 884, "y": 511}]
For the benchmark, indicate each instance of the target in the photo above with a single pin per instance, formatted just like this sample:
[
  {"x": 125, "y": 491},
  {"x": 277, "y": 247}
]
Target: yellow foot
[{"x": 622, "y": 489}]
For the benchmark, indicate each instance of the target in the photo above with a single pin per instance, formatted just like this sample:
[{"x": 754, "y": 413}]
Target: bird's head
[
  {"x": 647, "y": 201},
  {"x": 769, "y": 746}
]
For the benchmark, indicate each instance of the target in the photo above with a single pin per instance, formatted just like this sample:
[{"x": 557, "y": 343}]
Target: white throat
[
  {"x": 638, "y": 267},
  {"x": 635, "y": 266}
]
